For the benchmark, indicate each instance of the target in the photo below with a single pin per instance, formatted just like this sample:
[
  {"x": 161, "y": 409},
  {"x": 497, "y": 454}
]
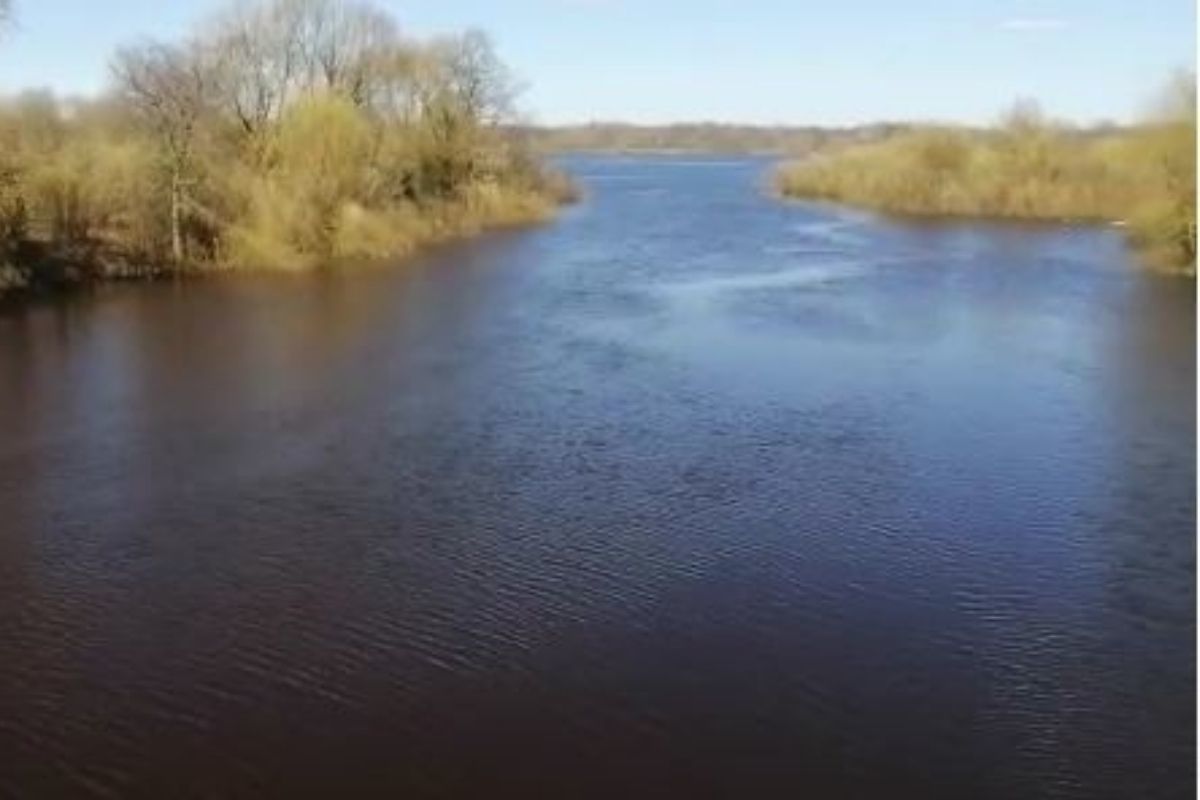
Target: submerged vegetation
[
  {"x": 284, "y": 134},
  {"x": 1030, "y": 168}
]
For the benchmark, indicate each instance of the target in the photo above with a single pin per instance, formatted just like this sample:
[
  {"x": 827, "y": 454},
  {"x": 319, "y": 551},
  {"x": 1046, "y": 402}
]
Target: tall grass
[{"x": 1030, "y": 168}]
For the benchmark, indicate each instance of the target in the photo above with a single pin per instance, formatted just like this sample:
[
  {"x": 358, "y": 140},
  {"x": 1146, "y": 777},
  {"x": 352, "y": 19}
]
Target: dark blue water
[{"x": 690, "y": 494}]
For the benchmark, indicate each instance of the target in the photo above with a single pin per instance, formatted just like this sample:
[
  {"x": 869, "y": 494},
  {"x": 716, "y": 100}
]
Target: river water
[{"x": 692, "y": 493}]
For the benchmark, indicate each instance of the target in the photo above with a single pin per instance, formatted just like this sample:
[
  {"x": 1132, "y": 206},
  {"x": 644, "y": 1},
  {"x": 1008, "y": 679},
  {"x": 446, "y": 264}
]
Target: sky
[{"x": 825, "y": 62}]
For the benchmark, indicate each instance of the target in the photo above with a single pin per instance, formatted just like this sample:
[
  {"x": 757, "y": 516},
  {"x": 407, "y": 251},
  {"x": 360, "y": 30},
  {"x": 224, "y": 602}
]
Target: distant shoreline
[
  {"x": 668, "y": 151},
  {"x": 726, "y": 139}
]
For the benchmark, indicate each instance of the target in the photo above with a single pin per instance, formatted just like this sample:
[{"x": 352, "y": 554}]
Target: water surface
[{"x": 689, "y": 494}]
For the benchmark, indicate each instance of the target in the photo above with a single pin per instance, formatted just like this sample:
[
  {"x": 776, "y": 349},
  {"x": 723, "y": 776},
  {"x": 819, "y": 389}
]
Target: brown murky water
[{"x": 690, "y": 494}]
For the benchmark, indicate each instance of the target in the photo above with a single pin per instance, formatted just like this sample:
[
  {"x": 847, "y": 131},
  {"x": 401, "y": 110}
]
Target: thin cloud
[{"x": 1033, "y": 24}]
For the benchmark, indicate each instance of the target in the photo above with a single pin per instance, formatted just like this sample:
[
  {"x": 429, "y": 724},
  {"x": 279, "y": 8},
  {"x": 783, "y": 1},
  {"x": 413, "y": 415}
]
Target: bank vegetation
[
  {"x": 282, "y": 134},
  {"x": 1030, "y": 167}
]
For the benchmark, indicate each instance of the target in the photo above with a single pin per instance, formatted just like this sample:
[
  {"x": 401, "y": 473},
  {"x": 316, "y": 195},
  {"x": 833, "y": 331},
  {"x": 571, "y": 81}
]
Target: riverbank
[
  {"x": 1028, "y": 168},
  {"x": 32, "y": 267}
]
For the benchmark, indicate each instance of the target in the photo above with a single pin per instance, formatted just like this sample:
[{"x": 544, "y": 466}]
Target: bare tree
[
  {"x": 478, "y": 80},
  {"x": 398, "y": 81},
  {"x": 465, "y": 92},
  {"x": 340, "y": 43},
  {"x": 269, "y": 55},
  {"x": 168, "y": 86},
  {"x": 257, "y": 64}
]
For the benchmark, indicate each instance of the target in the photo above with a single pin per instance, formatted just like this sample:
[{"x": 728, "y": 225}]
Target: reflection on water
[{"x": 689, "y": 494}]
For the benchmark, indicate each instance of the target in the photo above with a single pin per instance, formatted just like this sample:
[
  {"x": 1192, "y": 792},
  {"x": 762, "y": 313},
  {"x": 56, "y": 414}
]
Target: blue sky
[{"x": 759, "y": 61}]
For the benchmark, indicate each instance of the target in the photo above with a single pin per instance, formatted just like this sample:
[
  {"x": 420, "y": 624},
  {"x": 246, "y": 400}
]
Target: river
[{"x": 691, "y": 493}]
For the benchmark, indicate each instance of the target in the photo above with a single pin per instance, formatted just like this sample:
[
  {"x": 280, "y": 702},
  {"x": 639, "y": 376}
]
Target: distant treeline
[
  {"x": 282, "y": 134},
  {"x": 1030, "y": 167},
  {"x": 605, "y": 137}
]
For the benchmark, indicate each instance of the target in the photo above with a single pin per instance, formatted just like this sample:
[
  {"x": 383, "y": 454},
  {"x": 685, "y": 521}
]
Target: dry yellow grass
[{"x": 1027, "y": 168}]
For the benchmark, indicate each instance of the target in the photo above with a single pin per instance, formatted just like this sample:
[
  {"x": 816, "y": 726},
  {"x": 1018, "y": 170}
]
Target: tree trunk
[{"x": 176, "y": 219}]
